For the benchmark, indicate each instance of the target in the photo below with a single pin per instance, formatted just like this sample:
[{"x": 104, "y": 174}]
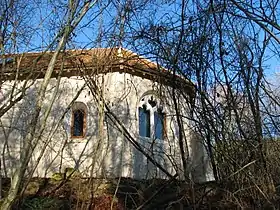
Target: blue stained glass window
[
  {"x": 78, "y": 122},
  {"x": 144, "y": 122},
  {"x": 159, "y": 125}
]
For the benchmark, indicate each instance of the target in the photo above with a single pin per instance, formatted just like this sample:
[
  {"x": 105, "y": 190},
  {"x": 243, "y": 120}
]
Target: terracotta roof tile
[{"x": 89, "y": 61}]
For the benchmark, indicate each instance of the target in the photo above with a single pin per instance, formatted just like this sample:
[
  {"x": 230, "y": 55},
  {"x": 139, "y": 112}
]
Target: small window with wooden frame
[{"x": 79, "y": 120}]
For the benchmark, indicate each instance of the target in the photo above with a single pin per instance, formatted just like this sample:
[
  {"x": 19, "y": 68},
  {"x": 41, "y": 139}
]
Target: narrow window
[
  {"x": 159, "y": 124},
  {"x": 144, "y": 122},
  {"x": 78, "y": 127}
]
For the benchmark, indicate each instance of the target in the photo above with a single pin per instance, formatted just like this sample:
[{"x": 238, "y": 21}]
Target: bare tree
[
  {"x": 224, "y": 47},
  {"x": 74, "y": 15}
]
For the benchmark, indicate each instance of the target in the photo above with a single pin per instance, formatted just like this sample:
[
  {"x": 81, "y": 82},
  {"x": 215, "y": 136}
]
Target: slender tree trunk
[{"x": 30, "y": 141}]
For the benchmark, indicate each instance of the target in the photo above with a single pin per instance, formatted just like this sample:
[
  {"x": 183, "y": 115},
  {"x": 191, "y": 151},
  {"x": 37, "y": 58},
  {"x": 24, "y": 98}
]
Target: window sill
[
  {"x": 150, "y": 138},
  {"x": 77, "y": 140}
]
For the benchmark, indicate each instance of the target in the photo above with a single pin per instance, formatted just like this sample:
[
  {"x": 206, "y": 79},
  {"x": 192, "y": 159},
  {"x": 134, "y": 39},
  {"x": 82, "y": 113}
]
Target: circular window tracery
[{"x": 151, "y": 117}]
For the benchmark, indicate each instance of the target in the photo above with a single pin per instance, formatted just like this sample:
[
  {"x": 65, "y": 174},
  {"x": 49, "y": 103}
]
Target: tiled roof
[{"x": 87, "y": 62}]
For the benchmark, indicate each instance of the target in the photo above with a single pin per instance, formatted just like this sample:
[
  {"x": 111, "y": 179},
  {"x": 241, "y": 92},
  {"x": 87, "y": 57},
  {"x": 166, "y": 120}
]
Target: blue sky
[{"x": 85, "y": 36}]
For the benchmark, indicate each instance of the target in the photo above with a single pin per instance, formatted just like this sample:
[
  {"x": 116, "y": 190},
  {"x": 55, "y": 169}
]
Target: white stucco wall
[{"x": 104, "y": 155}]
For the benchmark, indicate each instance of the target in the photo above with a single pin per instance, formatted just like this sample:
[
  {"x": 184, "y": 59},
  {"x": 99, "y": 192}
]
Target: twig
[
  {"x": 241, "y": 169},
  {"x": 157, "y": 192}
]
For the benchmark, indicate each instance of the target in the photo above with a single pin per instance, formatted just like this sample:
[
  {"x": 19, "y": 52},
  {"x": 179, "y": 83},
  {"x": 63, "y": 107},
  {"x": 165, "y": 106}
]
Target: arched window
[
  {"x": 79, "y": 116},
  {"x": 144, "y": 122},
  {"x": 159, "y": 124},
  {"x": 151, "y": 118}
]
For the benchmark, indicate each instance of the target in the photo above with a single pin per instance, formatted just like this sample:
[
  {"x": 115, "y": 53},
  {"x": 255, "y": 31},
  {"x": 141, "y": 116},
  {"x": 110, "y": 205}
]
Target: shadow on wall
[
  {"x": 119, "y": 149},
  {"x": 116, "y": 156},
  {"x": 127, "y": 161},
  {"x": 14, "y": 129},
  {"x": 145, "y": 169},
  {"x": 201, "y": 166},
  {"x": 77, "y": 153}
]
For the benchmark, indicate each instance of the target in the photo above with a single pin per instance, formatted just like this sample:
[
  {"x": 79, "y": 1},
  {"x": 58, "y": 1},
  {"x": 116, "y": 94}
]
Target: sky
[{"x": 44, "y": 20}]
